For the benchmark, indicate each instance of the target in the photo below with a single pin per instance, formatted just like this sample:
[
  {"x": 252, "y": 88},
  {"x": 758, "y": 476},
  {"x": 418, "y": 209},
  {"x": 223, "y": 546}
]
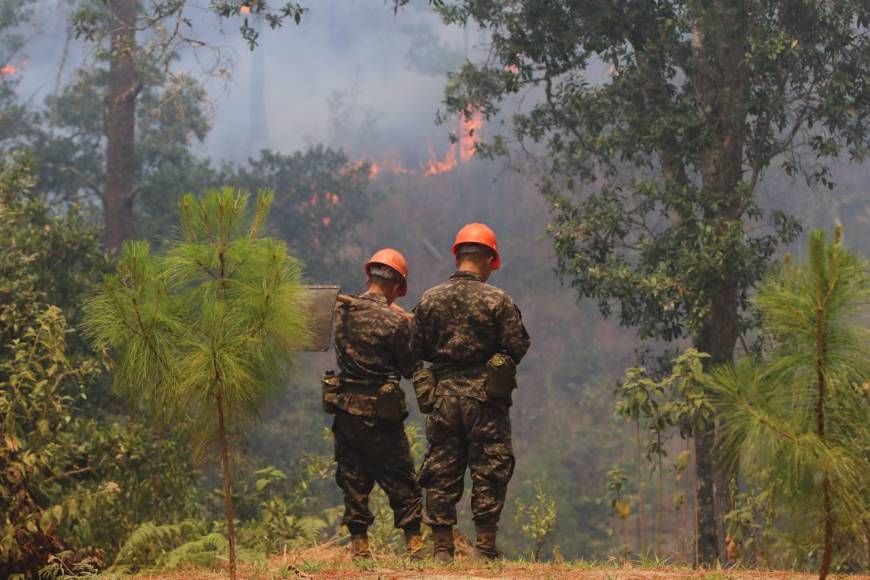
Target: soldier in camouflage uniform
[
  {"x": 372, "y": 345},
  {"x": 458, "y": 326}
]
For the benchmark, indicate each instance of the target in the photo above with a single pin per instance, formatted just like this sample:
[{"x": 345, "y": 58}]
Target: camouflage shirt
[
  {"x": 372, "y": 343},
  {"x": 459, "y": 325}
]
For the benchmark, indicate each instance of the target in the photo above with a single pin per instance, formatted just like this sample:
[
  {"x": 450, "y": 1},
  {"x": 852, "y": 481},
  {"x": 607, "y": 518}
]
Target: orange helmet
[
  {"x": 392, "y": 259},
  {"x": 478, "y": 234}
]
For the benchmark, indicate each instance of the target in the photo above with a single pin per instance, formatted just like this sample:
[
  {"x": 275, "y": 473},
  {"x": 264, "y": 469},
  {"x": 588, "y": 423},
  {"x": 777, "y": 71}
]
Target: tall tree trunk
[
  {"x": 696, "y": 558},
  {"x": 640, "y": 489},
  {"x": 120, "y": 124},
  {"x": 720, "y": 83},
  {"x": 228, "y": 486},
  {"x": 705, "y": 498},
  {"x": 660, "y": 508},
  {"x": 689, "y": 520}
]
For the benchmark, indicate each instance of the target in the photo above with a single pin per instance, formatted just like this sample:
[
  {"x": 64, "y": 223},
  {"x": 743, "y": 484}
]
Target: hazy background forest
[{"x": 338, "y": 116}]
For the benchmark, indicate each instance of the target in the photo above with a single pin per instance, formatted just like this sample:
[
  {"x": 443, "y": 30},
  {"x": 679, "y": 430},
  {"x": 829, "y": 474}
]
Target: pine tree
[
  {"x": 202, "y": 334},
  {"x": 802, "y": 410}
]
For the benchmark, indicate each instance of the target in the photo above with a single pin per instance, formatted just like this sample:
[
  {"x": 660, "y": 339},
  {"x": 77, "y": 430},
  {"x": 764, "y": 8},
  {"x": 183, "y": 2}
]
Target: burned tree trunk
[{"x": 120, "y": 124}]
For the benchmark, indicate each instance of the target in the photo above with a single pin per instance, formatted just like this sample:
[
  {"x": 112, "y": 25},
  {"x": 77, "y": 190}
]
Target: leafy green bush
[
  {"x": 537, "y": 519},
  {"x": 278, "y": 520},
  {"x": 73, "y": 478},
  {"x": 38, "y": 495}
]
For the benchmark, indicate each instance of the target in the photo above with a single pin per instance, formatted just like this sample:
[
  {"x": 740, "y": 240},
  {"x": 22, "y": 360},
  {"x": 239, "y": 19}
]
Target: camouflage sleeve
[
  {"x": 405, "y": 361},
  {"x": 418, "y": 340},
  {"x": 338, "y": 328},
  {"x": 512, "y": 332}
]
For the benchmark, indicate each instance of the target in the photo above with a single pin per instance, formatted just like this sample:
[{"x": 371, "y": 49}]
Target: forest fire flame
[
  {"x": 459, "y": 152},
  {"x": 8, "y": 70}
]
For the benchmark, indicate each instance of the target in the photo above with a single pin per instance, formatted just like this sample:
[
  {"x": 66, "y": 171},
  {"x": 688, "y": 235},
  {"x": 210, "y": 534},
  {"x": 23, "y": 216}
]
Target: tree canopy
[{"x": 658, "y": 120}]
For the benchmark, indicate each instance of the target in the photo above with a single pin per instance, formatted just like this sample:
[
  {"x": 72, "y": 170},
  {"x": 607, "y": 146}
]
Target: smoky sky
[
  {"x": 356, "y": 75},
  {"x": 353, "y": 74}
]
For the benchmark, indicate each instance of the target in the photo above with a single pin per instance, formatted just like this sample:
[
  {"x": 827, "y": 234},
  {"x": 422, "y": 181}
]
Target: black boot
[
  {"x": 484, "y": 547},
  {"x": 442, "y": 536}
]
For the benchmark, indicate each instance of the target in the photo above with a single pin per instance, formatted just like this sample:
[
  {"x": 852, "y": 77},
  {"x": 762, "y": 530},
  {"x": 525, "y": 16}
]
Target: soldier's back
[
  {"x": 366, "y": 334},
  {"x": 458, "y": 323}
]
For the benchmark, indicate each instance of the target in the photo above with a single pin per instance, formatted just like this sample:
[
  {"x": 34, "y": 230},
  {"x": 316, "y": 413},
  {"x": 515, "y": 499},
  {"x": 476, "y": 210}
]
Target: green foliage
[
  {"x": 616, "y": 479},
  {"x": 537, "y": 519},
  {"x": 149, "y": 543},
  {"x": 15, "y": 120},
  {"x": 752, "y": 524},
  {"x": 660, "y": 408},
  {"x": 202, "y": 551},
  {"x": 795, "y": 421},
  {"x": 321, "y": 202},
  {"x": 170, "y": 116},
  {"x": 37, "y": 390},
  {"x": 212, "y": 319},
  {"x": 71, "y": 484},
  {"x": 40, "y": 380},
  {"x": 153, "y": 474},
  {"x": 660, "y": 230},
  {"x": 46, "y": 258},
  {"x": 654, "y": 126},
  {"x": 274, "y": 16},
  {"x": 273, "y": 508},
  {"x": 203, "y": 333},
  {"x": 677, "y": 400}
]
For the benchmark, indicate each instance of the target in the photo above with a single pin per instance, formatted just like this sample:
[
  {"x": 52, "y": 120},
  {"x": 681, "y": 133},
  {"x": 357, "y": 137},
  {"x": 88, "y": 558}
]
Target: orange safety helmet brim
[
  {"x": 392, "y": 259},
  {"x": 478, "y": 234}
]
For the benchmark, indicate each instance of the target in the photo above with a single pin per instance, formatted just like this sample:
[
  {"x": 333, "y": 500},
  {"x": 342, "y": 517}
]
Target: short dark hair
[
  {"x": 474, "y": 252},
  {"x": 384, "y": 276}
]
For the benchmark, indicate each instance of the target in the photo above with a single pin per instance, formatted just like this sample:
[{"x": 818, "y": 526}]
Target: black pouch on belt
[
  {"x": 501, "y": 377},
  {"x": 330, "y": 387},
  {"x": 424, "y": 388},
  {"x": 391, "y": 402}
]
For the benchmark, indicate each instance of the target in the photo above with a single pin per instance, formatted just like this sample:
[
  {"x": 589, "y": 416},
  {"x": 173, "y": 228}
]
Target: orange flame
[
  {"x": 459, "y": 152},
  {"x": 388, "y": 166},
  {"x": 8, "y": 70},
  {"x": 437, "y": 166},
  {"x": 468, "y": 138}
]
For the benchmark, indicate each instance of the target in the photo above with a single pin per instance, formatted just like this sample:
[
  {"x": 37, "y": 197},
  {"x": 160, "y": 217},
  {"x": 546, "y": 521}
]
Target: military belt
[
  {"x": 362, "y": 386},
  {"x": 449, "y": 372}
]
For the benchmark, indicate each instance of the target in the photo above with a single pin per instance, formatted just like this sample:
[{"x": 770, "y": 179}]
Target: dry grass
[{"x": 332, "y": 561}]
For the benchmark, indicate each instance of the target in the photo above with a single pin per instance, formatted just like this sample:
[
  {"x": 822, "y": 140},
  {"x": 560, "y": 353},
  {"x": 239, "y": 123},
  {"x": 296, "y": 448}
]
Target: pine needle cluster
[
  {"x": 202, "y": 334},
  {"x": 799, "y": 415},
  {"x": 216, "y": 316}
]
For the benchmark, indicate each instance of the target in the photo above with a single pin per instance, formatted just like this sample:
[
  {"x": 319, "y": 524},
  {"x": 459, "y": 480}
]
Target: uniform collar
[
  {"x": 374, "y": 297},
  {"x": 463, "y": 275}
]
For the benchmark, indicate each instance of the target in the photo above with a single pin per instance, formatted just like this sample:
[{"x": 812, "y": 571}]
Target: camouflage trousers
[
  {"x": 370, "y": 451},
  {"x": 467, "y": 433}
]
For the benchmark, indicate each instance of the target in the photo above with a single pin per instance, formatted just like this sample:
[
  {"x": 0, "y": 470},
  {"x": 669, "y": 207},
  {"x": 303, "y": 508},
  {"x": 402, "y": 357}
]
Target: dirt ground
[{"x": 334, "y": 562}]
